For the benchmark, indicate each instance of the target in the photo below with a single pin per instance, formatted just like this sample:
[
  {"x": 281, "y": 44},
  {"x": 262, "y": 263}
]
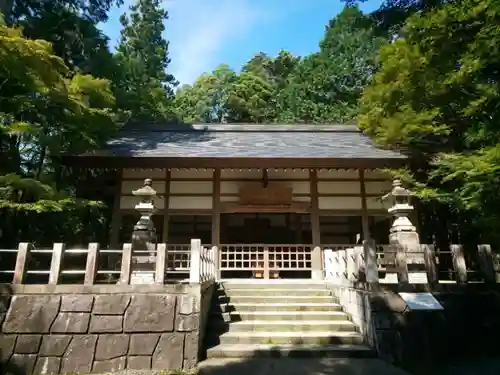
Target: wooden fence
[
  {"x": 193, "y": 263},
  {"x": 373, "y": 263}
]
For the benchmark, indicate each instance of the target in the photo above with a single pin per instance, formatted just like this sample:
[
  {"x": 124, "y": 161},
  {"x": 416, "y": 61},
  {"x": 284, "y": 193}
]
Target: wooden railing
[
  {"x": 395, "y": 264},
  {"x": 266, "y": 260},
  {"x": 92, "y": 265}
]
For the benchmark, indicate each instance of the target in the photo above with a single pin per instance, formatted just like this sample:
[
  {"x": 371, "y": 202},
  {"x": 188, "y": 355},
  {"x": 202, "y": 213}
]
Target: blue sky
[{"x": 206, "y": 33}]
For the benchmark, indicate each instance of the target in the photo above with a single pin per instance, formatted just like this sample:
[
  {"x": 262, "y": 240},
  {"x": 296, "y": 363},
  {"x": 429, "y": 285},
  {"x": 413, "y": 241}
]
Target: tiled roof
[{"x": 245, "y": 141}]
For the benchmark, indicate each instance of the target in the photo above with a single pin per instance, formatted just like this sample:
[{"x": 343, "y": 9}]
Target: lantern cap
[
  {"x": 398, "y": 190},
  {"x": 146, "y": 190}
]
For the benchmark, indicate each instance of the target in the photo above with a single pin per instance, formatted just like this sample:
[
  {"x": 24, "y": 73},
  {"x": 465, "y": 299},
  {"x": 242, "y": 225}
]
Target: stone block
[
  {"x": 79, "y": 354},
  {"x": 28, "y": 344},
  {"x": 189, "y": 364},
  {"x": 150, "y": 313},
  {"x": 22, "y": 363},
  {"x": 54, "y": 345},
  {"x": 169, "y": 353},
  {"x": 187, "y": 323},
  {"x": 107, "y": 304},
  {"x": 106, "y": 324},
  {"x": 71, "y": 323},
  {"x": 47, "y": 366},
  {"x": 77, "y": 303},
  {"x": 142, "y": 344},
  {"x": 191, "y": 346},
  {"x": 141, "y": 362},
  {"x": 109, "y": 365},
  {"x": 188, "y": 304},
  {"x": 31, "y": 314},
  {"x": 4, "y": 303},
  {"x": 111, "y": 346},
  {"x": 7, "y": 344}
]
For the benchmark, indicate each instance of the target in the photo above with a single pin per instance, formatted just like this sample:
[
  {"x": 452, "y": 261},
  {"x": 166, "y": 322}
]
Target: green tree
[
  {"x": 326, "y": 86},
  {"x": 250, "y": 99},
  {"x": 436, "y": 95},
  {"x": 46, "y": 110},
  {"x": 206, "y": 100},
  {"x": 144, "y": 87}
]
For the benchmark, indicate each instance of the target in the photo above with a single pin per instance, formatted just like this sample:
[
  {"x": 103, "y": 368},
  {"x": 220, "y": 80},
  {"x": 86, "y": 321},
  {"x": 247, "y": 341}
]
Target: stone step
[
  {"x": 277, "y": 338},
  {"x": 276, "y": 299},
  {"x": 287, "y": 350},
  {"x": 275, "y": 292},
  {"x": 237, "y": 316},
  {"x": 272, "y": 284},
  {"x": 286, "y": 326},
  {"x": 306, "y": 306}
]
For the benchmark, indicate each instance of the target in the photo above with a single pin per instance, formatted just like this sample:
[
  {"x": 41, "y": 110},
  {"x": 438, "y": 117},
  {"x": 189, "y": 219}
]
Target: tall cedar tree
[{"x": 144, "y": 88}]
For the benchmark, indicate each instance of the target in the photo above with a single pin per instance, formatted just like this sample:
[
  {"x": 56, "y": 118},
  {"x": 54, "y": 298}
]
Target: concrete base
[{"x": 142, "y": 277}]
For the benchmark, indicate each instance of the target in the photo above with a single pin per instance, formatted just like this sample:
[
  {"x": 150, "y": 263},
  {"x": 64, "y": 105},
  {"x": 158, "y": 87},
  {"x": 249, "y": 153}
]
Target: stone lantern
[
  {"x": 144, "y": 237},
  {"x": 399, "y": 198},
  {"x": 403, "y": 234}
]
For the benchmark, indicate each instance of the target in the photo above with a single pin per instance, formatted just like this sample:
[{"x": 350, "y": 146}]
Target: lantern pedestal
[
  {"x": 144, "y": 238},
  {"x": 143, "y": 258},
  {"x": 404, "y": 239}
]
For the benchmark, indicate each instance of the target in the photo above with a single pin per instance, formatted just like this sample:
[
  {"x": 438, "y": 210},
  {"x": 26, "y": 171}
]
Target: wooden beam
[
  {"x": 316, "y": 256},
  {"x": 365, "y": 223},
  {"x": 231, "y": 162}
]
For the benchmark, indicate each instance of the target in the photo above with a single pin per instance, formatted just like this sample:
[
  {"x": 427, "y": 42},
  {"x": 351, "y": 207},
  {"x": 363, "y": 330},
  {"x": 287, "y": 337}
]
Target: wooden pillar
[
  {"x": 216, "y": 219},
  {"x": 365, "y": 223},
  {"x": 316, "y": 256},
  {"x": 116, "y": 216},
  {"x": 166, "y": 212},
  {"x": 216, "y": 208}
]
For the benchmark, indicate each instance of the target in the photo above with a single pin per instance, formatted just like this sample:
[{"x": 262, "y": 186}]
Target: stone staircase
[{"x": 278, "y": 318}]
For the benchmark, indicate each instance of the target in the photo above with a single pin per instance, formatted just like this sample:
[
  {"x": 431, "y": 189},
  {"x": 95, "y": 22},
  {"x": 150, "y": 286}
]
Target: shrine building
[{"x": 291, "y": 188}]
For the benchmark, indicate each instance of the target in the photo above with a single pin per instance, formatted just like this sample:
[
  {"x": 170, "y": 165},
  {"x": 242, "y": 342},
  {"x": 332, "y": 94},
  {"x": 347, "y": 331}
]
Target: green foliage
[
  {"x": 437, "y": 95},
  {"x": 144, "y": 88},
  {"x": 250, "y": 99},
  {"x": 47, "y": 110},
  {"x": 207, "y": 99},
  {"x": 326, "y": 86}
]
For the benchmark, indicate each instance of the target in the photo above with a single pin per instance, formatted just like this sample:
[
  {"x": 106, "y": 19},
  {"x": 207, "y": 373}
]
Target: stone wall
[
  {"x": 356, "y": 302},
  {"x": 467, "y": 328},
  {"x": 73, "y": 328}
]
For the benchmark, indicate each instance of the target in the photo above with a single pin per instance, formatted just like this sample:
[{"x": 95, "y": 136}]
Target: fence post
[
  {"x": 342, "y": 266},
  {"x": 55, "y": 264},
  {"x": 457, "y": 253},
  {"x": 401, "y": 265},
  {"x": 486, "y": 263},
  {"x": 23, "y": 254},
  {"x": 216, "y": 262},
  {"x": 195, "y": 267},
  {"x": 371, "y": 268},
  {"x": 328, "y": 267},
  {"x": 91, "y": 266},
  {"x": 430, "y": 264},
  {"x": 126, "y": 264},
  {"x": 161, "y": 262}
]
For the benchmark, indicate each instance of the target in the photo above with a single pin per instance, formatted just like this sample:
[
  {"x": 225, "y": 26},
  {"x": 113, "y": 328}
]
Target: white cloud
[{"x": 198, "y": 30}]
